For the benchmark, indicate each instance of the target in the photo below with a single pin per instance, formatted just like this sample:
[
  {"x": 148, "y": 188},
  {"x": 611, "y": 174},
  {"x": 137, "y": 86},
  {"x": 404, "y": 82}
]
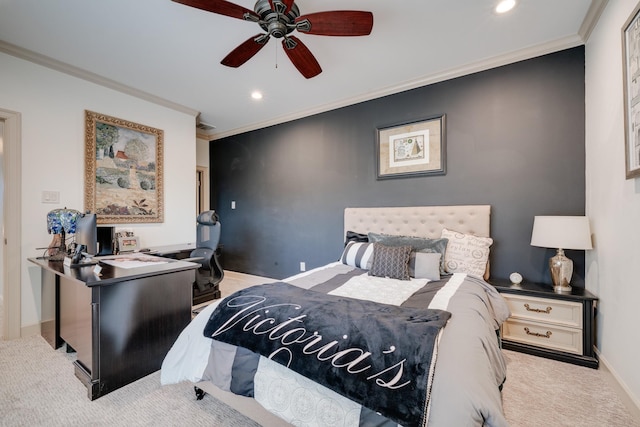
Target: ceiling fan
[{"x": 281, "y": 17}]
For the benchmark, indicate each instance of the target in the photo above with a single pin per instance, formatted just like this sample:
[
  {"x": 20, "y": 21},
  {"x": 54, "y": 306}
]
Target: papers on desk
[{"x": 132, "y": 260}]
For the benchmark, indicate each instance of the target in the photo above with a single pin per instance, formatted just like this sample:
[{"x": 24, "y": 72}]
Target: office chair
[{"x": 210, "y": 273}]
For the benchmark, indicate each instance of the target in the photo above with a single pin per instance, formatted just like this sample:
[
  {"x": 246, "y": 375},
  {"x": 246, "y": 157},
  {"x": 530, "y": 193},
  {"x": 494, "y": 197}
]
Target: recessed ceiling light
[
  {"x": 505, "y": 6},
  {"x": 256, "y": 95}
]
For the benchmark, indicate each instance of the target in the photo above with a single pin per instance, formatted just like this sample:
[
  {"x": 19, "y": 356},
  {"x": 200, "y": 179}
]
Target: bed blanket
[
  {"x": 381, "y": 356},
  {"x": 467, "y": 379}
]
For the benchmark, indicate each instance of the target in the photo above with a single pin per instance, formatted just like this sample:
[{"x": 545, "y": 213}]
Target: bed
[{"x": 393, "y": 350}]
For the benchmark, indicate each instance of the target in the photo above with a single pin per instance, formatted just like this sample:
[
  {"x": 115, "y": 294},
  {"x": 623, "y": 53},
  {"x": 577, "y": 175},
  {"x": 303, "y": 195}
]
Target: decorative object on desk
[
  {"x": 123, "y": 170},
  {"x": 411, "y": 149},
  {"x": 631, "y": 56},
  {"x": 561, "y": 232},
  {"x": 60, "y": 222},
  {"x": 516, "y": 278},
  {"x": 119, "y": 235},
  {"x": 128, "y": 244}
]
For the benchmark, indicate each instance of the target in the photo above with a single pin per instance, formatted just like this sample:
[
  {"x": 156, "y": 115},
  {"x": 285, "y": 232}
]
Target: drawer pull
[
  {"x": 537, "y": 310},
  {"x": 536, "y": 334}
]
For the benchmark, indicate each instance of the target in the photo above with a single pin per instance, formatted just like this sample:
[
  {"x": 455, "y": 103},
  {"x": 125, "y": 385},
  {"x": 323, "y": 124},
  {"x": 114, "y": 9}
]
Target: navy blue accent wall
[{"x": 515, "y": 141}]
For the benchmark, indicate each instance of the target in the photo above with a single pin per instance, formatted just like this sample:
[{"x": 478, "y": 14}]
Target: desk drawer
[
  {"x": 565, "y": 313},
  {"x": 543, "y": 335}
]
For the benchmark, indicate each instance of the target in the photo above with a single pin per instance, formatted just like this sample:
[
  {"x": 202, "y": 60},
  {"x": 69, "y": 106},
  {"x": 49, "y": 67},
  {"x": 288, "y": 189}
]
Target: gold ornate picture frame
[
  {"x": 123, "y": 170},
  {"x": 631, "y": 84},
  {"x": 409, "y": 149}
]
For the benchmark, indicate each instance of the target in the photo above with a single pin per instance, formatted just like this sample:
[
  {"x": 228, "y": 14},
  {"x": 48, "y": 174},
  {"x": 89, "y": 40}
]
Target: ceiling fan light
[{"x": 505, "y": 6}]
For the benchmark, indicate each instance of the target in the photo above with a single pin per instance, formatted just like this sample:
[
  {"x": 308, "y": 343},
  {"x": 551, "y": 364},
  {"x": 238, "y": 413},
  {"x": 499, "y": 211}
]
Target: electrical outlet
[{"x": 303, "y": 266}]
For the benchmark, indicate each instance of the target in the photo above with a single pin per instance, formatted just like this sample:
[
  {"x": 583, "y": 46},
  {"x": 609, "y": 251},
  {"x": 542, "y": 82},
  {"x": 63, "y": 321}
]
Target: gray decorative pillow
[
  {"x": 419, "y": 244},
  {"x": 390, "y": 261},
  {"x": 352, "y": 236},
  {"x": 425, "y": 265}
]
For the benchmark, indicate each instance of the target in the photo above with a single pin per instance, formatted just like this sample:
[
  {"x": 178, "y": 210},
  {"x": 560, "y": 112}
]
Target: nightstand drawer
[
  {"x": 565, "y": 313},
  {"x": 543, "y": 335}
]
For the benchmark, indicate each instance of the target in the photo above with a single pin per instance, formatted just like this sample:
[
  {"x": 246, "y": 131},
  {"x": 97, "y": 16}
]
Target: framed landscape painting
[
  {"x": 123, "y": 170},
  {"x": 631, "y": 84},
  {"x": 411, "y": 149}
]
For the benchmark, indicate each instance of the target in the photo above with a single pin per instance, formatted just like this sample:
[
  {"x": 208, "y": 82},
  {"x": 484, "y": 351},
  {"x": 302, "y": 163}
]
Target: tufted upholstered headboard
[{"x": 421, "y": 221}]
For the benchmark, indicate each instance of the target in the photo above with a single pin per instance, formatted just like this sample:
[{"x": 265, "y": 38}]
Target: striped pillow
[{"x": 358, "y": 254}]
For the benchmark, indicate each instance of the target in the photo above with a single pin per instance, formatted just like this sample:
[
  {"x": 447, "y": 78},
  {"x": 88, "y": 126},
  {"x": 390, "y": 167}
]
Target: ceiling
[{"x": 170, "y": 53}]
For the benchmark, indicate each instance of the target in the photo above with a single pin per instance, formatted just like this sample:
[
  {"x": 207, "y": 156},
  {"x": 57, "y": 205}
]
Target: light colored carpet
[
  {"x": 542, "y": 392},
  {"x": 38, "y": 388}
]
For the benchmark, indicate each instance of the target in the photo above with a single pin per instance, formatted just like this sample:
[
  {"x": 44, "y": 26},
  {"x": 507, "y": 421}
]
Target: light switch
[
  {"x": 50, "y": 197},
  {"x": 233, "y": 204}
]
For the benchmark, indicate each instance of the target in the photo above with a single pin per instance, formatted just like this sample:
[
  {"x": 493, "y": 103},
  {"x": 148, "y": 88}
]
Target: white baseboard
[
  {"x": 631, "y": 402},
  {"x": 30, "y": 330}
]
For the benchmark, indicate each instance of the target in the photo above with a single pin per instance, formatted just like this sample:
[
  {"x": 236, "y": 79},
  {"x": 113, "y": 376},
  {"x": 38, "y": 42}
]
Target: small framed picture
[
  {"x": 411, "y": 149},
  {"x": 128, "y": 244}
]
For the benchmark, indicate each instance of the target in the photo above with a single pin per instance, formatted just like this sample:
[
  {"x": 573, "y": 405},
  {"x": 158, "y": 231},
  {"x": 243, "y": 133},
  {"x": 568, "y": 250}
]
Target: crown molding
[
  {"x": 80, "y": 73},
  {"x": 482, "y": 65},
  {"x": 591, "y": 19}
]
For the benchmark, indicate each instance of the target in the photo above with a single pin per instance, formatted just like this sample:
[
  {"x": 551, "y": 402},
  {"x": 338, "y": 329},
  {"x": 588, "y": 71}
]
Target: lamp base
[
  {"x": 562, "y": 289},
  {"x": 57, "y": 249},
  {"x": 561, "y": 271}
]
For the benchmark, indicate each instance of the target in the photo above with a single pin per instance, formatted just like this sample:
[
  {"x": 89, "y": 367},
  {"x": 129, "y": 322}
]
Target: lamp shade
[
  {"x": 62, "y": 220},
  {"x": 561, "y": 232}
]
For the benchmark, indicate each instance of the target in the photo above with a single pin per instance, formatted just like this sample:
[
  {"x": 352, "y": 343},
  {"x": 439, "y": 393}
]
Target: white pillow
[
  {"x": 466, "y": 253},
  {"x": 358, "y": 254}
]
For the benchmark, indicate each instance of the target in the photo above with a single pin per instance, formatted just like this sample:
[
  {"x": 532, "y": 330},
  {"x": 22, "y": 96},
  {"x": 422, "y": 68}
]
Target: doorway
[
  {"x": 10, "y": 172},
  {"x": 202, "y": 188}
]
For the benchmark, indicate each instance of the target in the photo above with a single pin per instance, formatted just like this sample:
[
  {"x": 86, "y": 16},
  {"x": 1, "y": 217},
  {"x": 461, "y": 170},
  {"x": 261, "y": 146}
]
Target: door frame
[
  {"x": 12, "y": 226},
  {"x": 202, "y": 188}
]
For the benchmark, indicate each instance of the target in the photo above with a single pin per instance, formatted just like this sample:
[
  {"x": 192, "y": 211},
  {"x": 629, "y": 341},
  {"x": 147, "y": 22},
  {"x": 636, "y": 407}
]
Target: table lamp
[
  {"x": 561, "y": 232},
  {"x": 60, "y": 222}
]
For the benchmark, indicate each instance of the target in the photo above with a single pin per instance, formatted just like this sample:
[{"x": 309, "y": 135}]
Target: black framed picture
[{"x": 409, "y": 149}]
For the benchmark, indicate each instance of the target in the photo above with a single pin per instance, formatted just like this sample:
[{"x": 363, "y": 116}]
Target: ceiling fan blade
[
  {"x": 245, "y": 51},
  {"x": 336, "y": 23},
  {"x": 221, "y": 7},
  {"x": 284, "y": 5},
  {"x": 301, "y": 57}
]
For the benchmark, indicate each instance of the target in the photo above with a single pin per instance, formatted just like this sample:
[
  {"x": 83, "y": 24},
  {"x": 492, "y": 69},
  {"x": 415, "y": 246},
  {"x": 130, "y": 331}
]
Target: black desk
[
  {"x": 177, "y": 251},
  {"x": 121, "y": 324},
  {"x": 183, "y": 251}
]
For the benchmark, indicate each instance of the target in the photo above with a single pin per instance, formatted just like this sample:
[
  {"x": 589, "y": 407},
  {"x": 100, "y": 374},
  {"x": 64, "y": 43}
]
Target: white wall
[
  {"x": 52, "y": 105},
  {"x": 613, "y": 203}
]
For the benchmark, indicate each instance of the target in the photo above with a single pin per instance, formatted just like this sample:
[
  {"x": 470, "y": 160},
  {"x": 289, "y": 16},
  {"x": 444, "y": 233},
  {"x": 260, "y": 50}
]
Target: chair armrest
[{"x": 193, "y": 259}]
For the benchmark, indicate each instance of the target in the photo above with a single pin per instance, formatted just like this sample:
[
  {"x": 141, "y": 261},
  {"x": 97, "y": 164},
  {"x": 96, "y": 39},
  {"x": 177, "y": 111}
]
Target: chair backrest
[{"x": 208, "y": 230}]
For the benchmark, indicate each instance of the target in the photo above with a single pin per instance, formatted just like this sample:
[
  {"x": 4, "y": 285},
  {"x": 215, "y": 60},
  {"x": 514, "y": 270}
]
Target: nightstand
[{"x": 549, "y": 324}]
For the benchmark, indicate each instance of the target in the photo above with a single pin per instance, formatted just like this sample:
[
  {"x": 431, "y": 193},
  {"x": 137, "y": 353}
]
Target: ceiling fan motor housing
[{"x": 277, "y": 24}]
